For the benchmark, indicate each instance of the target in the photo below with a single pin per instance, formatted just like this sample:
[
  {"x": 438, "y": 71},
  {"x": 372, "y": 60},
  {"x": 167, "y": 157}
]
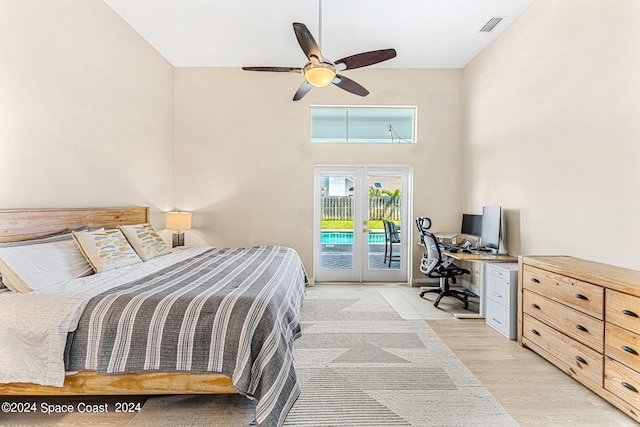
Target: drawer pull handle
[
  {"x": 536, "y": 306},
  {"x": 495, "y": 294},
  {"x": 534, "y": 280},
  {"x": 535, "y": 332},
  {"x": 629, "y": 313},
  {"x": 581, "y": 328},
  {"x": 629, "y": 350},
  {"x": 629, "y": 386},
  {"x": 580, "y": 296},
  {"x": 581, "y": 360}
]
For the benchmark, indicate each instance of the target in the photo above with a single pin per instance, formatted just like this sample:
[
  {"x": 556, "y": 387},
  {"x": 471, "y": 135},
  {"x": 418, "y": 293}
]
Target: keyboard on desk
[{"x": 449, "y": 247}]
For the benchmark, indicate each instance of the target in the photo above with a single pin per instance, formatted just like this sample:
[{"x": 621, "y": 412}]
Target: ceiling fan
[{"x": 320, "y": 72}]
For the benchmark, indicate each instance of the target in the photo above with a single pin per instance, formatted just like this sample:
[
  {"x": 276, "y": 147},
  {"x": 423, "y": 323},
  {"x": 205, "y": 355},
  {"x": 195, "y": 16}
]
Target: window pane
[
  {"x": 385, "y": 205},
  {"x": 337, "y": 209},
  {"x": 328, "y": 125},
  {"x": 389, "y": 125}
]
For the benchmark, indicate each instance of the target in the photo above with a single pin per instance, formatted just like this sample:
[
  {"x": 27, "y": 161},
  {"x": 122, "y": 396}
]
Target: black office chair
[
  {"x": 391, "y": 236},
  {"x": 433, "y": 265}
]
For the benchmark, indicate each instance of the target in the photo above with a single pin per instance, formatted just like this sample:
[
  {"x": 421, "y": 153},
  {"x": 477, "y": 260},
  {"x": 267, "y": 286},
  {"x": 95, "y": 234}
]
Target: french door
[{"x": 352, "y": 203}]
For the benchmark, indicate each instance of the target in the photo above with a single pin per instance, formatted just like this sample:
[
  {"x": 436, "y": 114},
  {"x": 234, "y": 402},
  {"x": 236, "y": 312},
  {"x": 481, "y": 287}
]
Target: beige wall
[
  {"x": 543, "y": 122},
  {"x": 551, "y": 130},
  {"x": 244, "y": 163},
  {"x": 86, "y": 109}
]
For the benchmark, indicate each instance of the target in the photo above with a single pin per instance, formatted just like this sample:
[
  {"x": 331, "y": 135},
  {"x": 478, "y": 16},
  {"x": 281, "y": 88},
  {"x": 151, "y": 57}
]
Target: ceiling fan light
[{"x": 319, "y": 76}]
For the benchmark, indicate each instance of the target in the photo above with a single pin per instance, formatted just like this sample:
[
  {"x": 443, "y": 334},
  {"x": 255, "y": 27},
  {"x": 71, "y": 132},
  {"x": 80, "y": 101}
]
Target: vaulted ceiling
[{"x": 235, "y": 33}]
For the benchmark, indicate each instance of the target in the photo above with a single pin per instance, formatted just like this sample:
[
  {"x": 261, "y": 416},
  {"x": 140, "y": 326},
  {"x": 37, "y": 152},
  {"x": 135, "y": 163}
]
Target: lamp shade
[{"x": 178, "y": 221}]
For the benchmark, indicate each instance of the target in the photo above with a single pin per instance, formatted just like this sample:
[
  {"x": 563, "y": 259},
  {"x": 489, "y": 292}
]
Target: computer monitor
[
  {"x": 491, "y": 227},
  {"x": 471, "y": 224}
]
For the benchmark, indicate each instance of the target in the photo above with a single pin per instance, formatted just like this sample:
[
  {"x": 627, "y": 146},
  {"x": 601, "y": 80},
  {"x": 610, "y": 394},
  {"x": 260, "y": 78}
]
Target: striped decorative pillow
[
  {"x": 145, "y": 240},
  {"x": 57, "y": 237}
]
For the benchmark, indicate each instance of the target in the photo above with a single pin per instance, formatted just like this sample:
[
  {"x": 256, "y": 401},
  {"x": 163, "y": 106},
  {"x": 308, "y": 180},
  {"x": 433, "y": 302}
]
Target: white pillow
[
  {"x": 145, "y": 240},
  {"x": 57, "y": 237},
  {"x": 106, "y": 249},
  {"x": 37, "y": 267}
]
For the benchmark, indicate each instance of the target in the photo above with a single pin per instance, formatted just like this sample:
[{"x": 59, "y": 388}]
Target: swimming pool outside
[{"x": 345, "y": 237}]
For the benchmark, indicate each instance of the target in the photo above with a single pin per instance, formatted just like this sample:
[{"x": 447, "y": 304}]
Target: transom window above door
[{"x": 363, "y": 124}]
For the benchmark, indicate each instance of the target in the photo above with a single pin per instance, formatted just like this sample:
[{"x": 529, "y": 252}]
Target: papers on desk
[{"x": 446, "y": 237}]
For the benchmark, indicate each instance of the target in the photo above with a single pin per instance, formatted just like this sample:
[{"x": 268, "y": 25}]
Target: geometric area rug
[{"x": 359, "y": 364}]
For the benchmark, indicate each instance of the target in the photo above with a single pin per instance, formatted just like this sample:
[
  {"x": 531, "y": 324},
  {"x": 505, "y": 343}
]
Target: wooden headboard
[{"x": 25, "y": 224}]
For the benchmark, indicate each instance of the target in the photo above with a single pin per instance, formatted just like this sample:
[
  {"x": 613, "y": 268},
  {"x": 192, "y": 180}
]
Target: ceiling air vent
[{"x": 491, "y": 24}]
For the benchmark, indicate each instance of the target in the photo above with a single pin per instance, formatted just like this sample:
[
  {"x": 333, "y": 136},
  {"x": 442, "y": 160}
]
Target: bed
[{"x": 240, "y": 342}]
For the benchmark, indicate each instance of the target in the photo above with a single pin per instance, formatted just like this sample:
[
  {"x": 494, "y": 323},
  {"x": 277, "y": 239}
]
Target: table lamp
[{"x": 178, "y": 222}]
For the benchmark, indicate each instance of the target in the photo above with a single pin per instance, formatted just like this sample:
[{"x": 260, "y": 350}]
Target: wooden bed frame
[{"x": 25, "y": 224}]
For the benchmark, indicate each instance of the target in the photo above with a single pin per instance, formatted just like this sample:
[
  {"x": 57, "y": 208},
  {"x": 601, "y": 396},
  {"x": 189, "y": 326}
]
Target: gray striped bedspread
[{"x": 231, "y": 311}]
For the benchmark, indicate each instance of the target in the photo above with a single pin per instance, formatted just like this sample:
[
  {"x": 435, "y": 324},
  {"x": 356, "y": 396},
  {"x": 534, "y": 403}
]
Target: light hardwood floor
[{"x": 533, "y": 391}]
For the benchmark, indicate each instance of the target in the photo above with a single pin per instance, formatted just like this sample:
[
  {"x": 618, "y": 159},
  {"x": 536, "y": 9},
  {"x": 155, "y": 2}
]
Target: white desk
[{"x": 483, "y": 258}]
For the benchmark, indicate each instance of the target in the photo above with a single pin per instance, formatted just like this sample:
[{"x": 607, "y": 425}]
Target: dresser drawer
[
  {"x": 577, "y": 325},
  {"x": 623, "y": 310},
  {"x": 622, "y": 345},
  {"x": 501, "y": 319},
  {"x": 577, "y": 360},
  {"x": 580, "y": 295},
  {"x": 623, "y": 382}
]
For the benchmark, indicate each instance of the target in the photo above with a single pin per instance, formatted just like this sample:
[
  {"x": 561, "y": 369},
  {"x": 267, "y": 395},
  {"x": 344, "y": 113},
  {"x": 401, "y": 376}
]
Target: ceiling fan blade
[
  {"x": 349, "y": 85},
  {"x": 307, "y": 42},
  {"x": 274, "y": 69},
  {"x": 366, "y": 58},
  {"x": 304, "y": 89}
]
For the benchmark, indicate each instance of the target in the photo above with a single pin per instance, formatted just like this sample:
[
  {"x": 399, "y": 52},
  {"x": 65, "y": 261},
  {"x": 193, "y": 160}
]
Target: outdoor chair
[{"x": 391, "y": 236}]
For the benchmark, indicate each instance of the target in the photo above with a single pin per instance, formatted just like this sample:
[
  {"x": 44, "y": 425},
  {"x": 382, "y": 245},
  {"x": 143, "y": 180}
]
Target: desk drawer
[
  {"x": 501, "y": 271},
  {"x": 577, "y": 325},
  {"x": 622, "y": 345},
  {"x": 582, "y": 296},
  {"x": 574, "y": 358},
  {"x": 501, "y": 319},
  {"x": 623, "y": 382},
  {"x": 498, "y": 290},
  {"x": 623, "y": 310}
]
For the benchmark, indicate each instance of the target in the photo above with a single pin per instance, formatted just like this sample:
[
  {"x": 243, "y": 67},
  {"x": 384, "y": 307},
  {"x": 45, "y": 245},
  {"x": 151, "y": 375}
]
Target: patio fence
[{"x": 341, "y": 207}]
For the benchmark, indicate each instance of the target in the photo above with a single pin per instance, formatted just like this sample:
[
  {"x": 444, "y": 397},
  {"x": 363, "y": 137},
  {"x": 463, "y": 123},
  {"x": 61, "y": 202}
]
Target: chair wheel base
[{"x": 460, "y": 295}]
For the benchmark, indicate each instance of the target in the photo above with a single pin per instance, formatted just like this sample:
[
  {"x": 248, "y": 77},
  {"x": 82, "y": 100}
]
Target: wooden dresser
[{"x": 584, "y": 317}]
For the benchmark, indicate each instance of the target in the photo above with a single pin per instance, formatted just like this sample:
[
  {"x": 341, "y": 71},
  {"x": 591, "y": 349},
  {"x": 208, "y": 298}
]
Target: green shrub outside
[{"x": 337, "y": 225}]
